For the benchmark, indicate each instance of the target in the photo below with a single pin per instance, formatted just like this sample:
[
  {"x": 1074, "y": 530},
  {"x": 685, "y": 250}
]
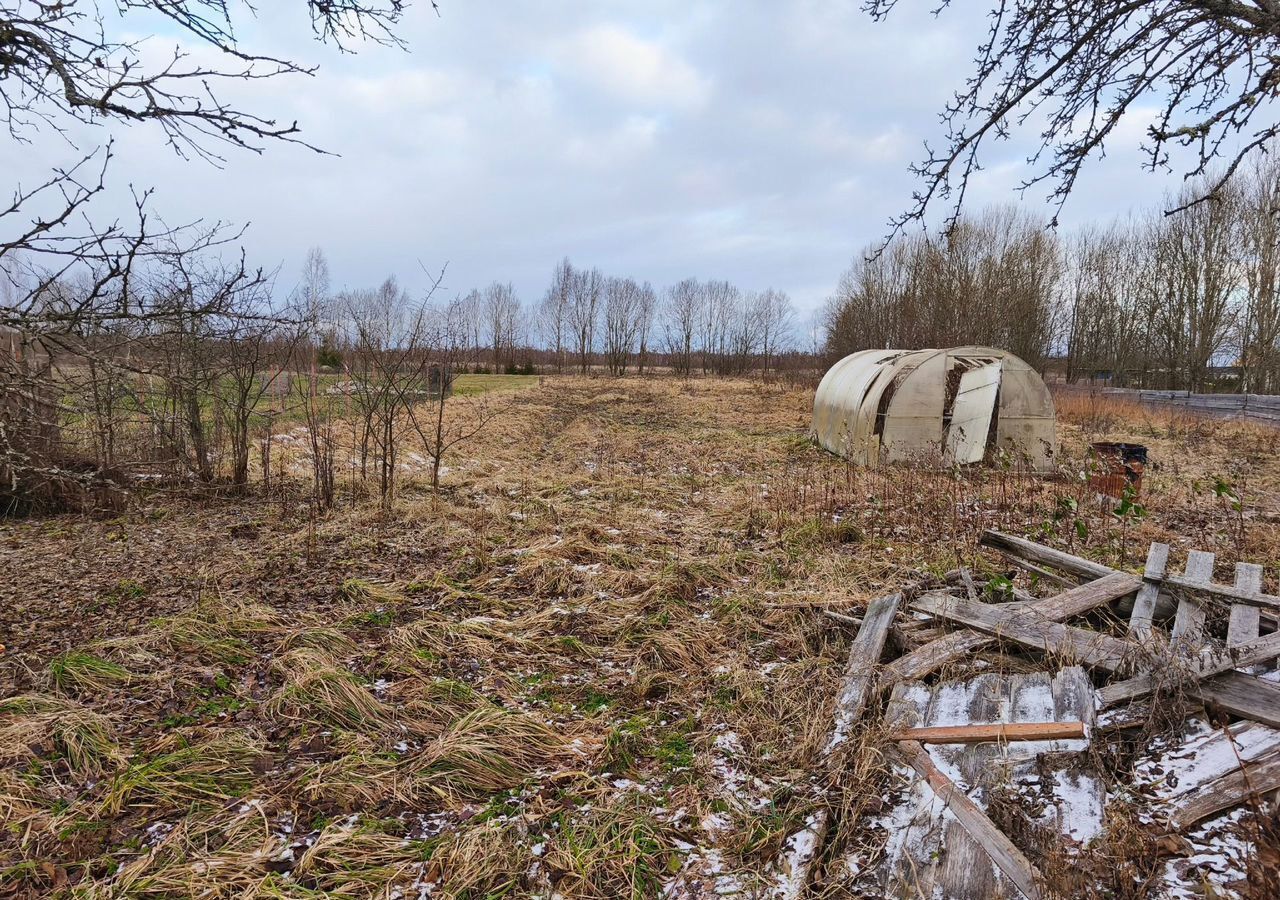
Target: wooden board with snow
[
  {"x": 1188, "y": 780},
  {"x": 926, "y": 852}
]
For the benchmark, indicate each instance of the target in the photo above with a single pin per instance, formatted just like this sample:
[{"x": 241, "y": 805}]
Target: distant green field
[
  {"x": 290, "y": 409},
  {"x": 470, "y": 385}
]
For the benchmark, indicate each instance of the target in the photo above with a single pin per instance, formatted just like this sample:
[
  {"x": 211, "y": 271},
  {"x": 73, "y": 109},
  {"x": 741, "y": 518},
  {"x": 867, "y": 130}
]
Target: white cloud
[
  {"x": 634, "y": 70},
  {"x": 620, "y": 145},
  {"x": 765, "y": 143}
]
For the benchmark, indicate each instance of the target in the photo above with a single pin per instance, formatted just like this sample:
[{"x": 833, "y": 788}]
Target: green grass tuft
[{"x": 76, "y": 670}]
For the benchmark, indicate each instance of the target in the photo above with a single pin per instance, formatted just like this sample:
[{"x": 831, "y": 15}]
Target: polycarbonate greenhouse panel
[{"x": 971, "y": 414}]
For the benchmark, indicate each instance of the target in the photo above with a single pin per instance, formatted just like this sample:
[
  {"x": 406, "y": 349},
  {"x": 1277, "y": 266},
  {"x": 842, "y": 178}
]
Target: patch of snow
[
  {"x": 798, "y": 853},
  {"x": 703, "y": 875},
  {"x": 1219, "y": 860},
  {"x": 157, "y": 832}
]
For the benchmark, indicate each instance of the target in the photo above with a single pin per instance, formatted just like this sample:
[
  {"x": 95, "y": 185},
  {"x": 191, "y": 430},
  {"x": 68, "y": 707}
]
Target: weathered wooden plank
[
  {"x": 1235, "y": 693},
  {"x": 929, "y": 853},
  {"x": 1086, "y": 597},
  {"x": 1269, "y": 602},
  {"x": 1042, "y": 555},
  {"x": 966, "y": 869},
  {"x": 1007, "y": 857},
  {"x": 1211, "y": 772},
  {"x": 1209, "y": 754},
  {"x": 1244, "y": 620},
  {"x": 1254, "y": 779},
  {"x": 1027, "y": 627},
  {"x": 1144, "y": 607},
  {"x": 1203, "y": 666},
  {"x": 864, "y": 663},
  {"x": 1188, "y": 622},
  {"x": 1243, "y": 695},
  {"x": 801, "y": 849},
  {"x": 933, "y": 656},
  {"x": 961, "y": 644},
  {"x": 1000, "y": 731},
  {"x": 1079, "y": 793}
]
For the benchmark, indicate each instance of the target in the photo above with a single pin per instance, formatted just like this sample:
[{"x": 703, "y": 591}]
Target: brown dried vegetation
[{"x": 590, "y": 660}]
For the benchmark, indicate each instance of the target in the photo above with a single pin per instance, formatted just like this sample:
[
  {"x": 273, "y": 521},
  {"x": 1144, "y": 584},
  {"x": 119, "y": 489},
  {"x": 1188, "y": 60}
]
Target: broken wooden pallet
[
  {"x": 936, "y": 845},
  {"x": 1218, "y": 645},
  {"x": 1217, "y": 673}
]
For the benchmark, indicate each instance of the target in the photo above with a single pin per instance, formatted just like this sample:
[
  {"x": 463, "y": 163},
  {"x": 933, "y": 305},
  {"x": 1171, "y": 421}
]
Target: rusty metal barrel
[{"x": 1117, "y": 465}]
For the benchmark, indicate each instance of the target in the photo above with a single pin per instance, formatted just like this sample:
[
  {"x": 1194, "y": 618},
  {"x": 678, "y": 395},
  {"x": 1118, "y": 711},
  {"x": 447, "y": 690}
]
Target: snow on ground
[
  {"x": 704, "y": 872},
  {"x": 1217, "y": 850}
]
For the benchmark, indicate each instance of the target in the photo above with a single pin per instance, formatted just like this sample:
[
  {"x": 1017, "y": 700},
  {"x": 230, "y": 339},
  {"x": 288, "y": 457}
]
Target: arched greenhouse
[{"x": 950, "y": 407}]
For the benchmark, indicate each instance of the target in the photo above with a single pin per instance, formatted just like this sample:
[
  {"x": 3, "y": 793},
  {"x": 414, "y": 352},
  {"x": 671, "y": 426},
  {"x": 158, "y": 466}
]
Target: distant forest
[
  {"x": 1183, "y": 301},
  {"x": 585, "y": 321}
]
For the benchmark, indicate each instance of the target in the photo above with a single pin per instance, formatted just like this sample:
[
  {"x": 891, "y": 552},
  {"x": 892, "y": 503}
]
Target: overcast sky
[{"x": 762, "y": 142}]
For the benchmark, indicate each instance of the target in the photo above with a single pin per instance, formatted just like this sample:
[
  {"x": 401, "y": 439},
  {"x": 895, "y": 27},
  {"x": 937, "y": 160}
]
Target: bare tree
[
  {"x": 719, "y": 308},
  {"x": 502, "y": 316},
  {"x": 1105, "y": 336},
  {"x": 1197, "y": 272},
  {"x": 1259, "y": 331},
  {"x": 646, "y": 310},
  {"x": 585, "y": 292},
  {"x": 621, "y": 322},
  {"x": 775, "y": 318},
  {"x": 1078, "y": 66},
  {"x": 318, "y": 410},
  {"x": 470, "y": 318},
  {"x": 313, "y": 296},
  {"x": 323, "y": 312},
  {"x": 745, "y": 336},
  {"x": 553, "y": 312},
  {"x": 439, "y": 425},
  {"x": 681, "y": 318}
]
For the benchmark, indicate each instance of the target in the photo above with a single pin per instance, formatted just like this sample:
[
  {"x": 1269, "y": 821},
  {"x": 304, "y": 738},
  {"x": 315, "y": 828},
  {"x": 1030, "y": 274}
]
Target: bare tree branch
[{"x": 1212, "y": 67}]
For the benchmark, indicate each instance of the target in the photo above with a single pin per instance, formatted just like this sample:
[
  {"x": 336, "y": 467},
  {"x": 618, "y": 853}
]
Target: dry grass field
[{"x": 592, "y": 665}]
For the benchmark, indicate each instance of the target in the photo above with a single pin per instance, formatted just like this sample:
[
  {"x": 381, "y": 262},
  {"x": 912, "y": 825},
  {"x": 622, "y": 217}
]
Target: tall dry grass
[{"x": 547, "y": 653}]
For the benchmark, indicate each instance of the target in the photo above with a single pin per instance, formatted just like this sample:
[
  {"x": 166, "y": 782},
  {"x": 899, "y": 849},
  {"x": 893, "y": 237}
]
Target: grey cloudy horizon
[{"x": 765, "y": 144}]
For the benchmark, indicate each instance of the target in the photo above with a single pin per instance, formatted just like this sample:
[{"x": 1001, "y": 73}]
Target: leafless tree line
[
  {"x": 993, "y": 282},
  {"x": 710, "y": 327},
  {"x": 1163, "y": 301},
  {"x": 1156, "y": 300},
  {"x": 213, "y": 368}
]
